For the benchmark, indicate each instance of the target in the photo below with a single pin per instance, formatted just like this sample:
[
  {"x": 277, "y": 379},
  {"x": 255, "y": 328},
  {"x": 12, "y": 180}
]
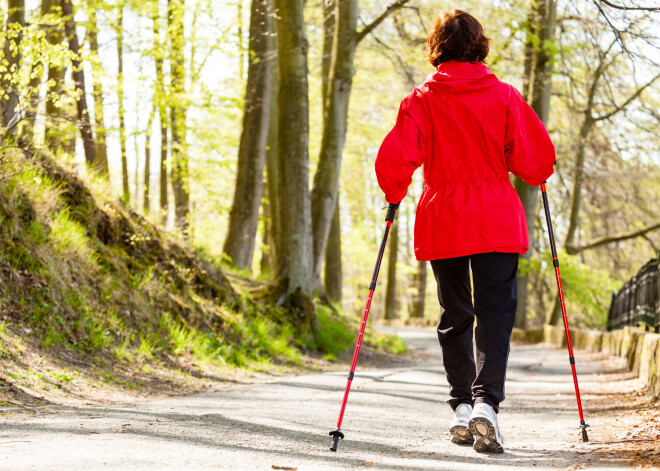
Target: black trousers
[{"x": 495, "y": 299}]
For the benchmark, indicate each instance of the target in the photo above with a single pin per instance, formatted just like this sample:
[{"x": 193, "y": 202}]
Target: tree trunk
[
  {"x": 266, "y": 243},
  {"x": 390, "y": 293},
  {"x": 333, "y": 266},
  {"x": 120, "y": 96},
  {"x": 326, "y": 179},
  {"x": 54, "y": 137},
  {"x": 34, "y": 87},
  {"x": 295, "y": 256},
  {"x": 578, "y": 182},
  {"x": 136, "y": 167},
  {"x": 178, "y": 111},
  {"x": 244, "y": 213},
  {"x": 329, "y": 15},
  {"x": 538, "y": 83},
  {"x": 12, "y": 60},
  {"x": 161, "y": 101},
  {"x": 79, "y": 80},
  {"x": 271, "y": 169},
  {"x": 239, "y": 40},
  {"x": 329, "y": 24},
  {"x": 147, "y": 157},
  {"x": 555, "y": 317},
  {"x": 99, "y": 121},
  {"x": 419, "y": 294}
]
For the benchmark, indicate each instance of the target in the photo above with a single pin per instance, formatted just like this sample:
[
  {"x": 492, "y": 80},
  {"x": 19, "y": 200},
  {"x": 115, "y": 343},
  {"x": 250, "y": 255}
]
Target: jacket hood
[{"x": 453, "y": 76}]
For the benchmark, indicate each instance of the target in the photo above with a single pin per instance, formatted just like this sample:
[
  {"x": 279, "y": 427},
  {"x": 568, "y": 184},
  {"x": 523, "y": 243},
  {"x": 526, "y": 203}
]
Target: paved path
[{"x": 396, "y": 420}]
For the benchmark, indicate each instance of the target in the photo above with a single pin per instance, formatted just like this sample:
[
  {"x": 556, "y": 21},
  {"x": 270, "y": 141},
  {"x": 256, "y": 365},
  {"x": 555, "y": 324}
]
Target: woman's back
[{"x": 468, "y": 129}]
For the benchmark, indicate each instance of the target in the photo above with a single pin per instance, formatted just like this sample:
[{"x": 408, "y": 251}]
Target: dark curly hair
[{"x": 456, "y": 35}]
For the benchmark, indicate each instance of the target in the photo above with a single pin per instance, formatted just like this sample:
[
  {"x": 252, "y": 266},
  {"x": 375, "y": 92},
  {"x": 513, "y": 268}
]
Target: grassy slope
[{"x": 94, "y": 297}]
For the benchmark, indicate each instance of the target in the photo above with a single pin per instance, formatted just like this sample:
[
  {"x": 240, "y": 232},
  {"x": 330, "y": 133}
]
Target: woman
[{"x": 469, "y": 130}]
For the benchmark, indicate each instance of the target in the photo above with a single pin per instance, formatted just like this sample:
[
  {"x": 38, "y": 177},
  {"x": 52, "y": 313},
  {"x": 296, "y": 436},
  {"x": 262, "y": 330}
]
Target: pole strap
[{"x": 571, "y": 360}]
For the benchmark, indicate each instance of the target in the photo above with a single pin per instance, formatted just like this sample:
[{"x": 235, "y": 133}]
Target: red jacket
[{"x": 469, "y": 130}]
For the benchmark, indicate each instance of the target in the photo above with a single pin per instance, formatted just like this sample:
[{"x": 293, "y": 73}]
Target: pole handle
[{"x": 391, "y": 211}]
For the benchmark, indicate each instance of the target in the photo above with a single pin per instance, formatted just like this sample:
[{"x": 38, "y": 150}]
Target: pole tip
[
  {"x": 583, "y": 426},
  {"x": 336, "y": 434}
]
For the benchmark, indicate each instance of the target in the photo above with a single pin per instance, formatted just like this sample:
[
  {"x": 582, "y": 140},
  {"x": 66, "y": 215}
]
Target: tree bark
[
  {"x": 161, "y": 100},
  {"x": 326, "y": 179},
  {"x": 13, "y": 58},
  {"x": 147, "y": 157},
  {"x": 244, "y": 213},
  {"x": 97, "y": 94},
  {"x": 79, "y": 79},
  {"x": 239, "y": 40},
  {"x": 36, "y": 81},
  {"x": 120, "y": 96},
  {"x": 271, "y": 169},
  {"x": 538, "y": 84},
  {"x": 419, "y": 295},
  {"x": 54, "y": 138},
  {"x": 390, "y": 293},
  {"x": 266, "y": 243},
  {"x": 333, "y": 266},
  {"x": 178, "y": 112},
  {"x": 329, "y": 15},
  {"x": 295, "y": 257}
]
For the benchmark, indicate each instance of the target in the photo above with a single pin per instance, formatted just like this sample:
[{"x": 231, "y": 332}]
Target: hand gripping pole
[
  {"x": 389, "y": 218},
  {"x": 571, "y": 358}
]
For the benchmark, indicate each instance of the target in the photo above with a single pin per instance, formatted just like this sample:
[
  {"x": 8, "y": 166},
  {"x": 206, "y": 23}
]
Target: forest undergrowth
[{"x": 97, "y": 302}]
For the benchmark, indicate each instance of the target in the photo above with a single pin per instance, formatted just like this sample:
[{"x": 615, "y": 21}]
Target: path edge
[{"x": 641, "y": 349}]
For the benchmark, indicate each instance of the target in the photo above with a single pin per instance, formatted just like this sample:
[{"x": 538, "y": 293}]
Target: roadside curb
[{"x": 641, "y": 349}]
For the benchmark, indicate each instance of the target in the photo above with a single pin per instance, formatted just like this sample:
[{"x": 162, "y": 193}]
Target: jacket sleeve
[
  {"x": 400, "y": 154},
  {"x": 528, "y": 150}
]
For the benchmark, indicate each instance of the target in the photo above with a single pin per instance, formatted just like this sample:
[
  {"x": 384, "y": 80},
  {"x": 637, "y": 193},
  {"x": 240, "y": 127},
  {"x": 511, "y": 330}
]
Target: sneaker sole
[
  {"x": 485, "y": 438},
  {"x": 461, "y": 435}
]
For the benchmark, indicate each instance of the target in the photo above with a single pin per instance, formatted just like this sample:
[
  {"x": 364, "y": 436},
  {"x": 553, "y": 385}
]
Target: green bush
[{"x": 587, "y": 290}]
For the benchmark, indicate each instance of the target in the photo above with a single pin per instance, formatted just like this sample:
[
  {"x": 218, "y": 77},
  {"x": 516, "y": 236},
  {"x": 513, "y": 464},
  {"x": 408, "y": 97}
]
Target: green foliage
[
  {"x": 98, "y": 280},
  {"x": 385, "y": 342},
  {"x": 69, "y": 236},
  {"x": 338, "y": 333},
  {"x": 269, "y": 339},
  {"x": 62, "y": 377},
  {"x": 335, "y": 336},
  {"x": 588, "y": 290}
]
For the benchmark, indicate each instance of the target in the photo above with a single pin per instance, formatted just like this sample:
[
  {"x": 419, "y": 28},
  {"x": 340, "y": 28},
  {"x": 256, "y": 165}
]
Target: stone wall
[{"x": 640, "y": 349}]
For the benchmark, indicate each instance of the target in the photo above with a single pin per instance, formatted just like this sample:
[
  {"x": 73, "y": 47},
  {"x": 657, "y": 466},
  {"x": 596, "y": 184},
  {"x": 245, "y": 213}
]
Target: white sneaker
[
  {"x": 460, "y": 431},
  {"x": 484, "y": 428}
]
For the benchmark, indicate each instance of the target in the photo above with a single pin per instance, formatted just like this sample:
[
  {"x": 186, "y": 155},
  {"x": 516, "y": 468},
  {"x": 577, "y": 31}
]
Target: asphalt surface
[{"x": 396, "y": 419}]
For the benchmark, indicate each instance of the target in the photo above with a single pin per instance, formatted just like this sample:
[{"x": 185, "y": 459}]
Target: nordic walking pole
[
  {"x": 389, "y": 218},
  {"x": 571, "y": 358}
]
